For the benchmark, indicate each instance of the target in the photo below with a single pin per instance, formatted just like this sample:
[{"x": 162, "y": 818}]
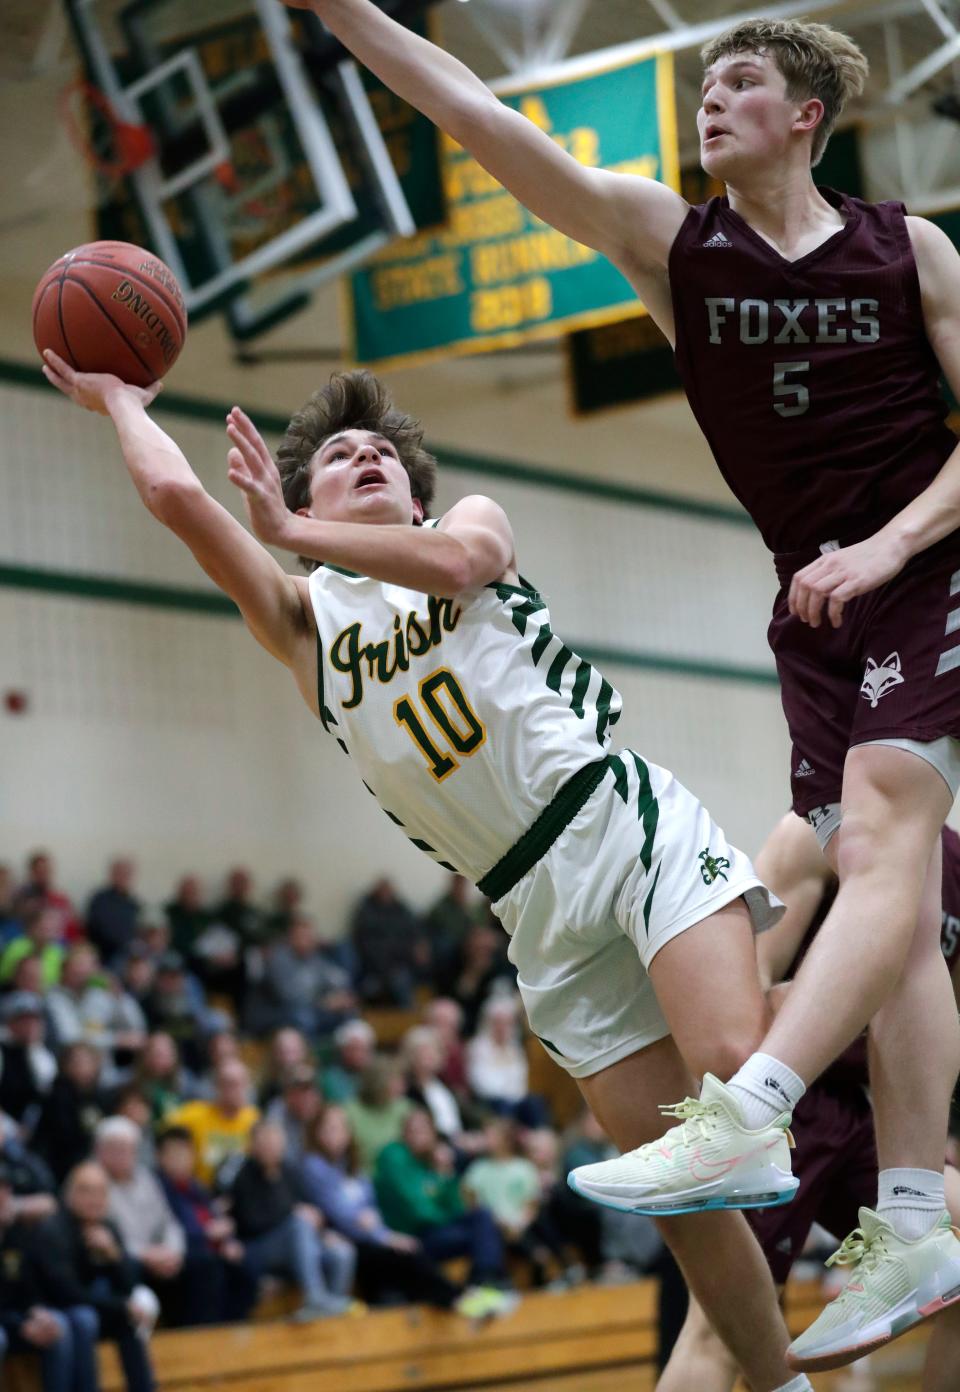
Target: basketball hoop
[{"x": 130, "y": 145}]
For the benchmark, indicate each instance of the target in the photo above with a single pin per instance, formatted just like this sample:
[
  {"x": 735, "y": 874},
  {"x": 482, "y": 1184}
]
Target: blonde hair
[{"x": 815, "y": 60}]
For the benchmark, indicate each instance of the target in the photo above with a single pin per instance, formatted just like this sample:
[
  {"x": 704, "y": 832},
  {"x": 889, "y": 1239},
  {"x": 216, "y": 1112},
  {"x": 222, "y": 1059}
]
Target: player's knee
[{"x": 726, "y": 1055}]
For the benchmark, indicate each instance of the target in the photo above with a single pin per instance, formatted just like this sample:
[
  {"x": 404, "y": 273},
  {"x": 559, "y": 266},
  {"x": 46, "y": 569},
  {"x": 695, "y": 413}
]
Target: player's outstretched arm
[
  {"x": 472, "y": 545},
  {"x": 267, "y": 598},
  {"x": 631, "y": 220},
  {"x": 791, "y": 864}
]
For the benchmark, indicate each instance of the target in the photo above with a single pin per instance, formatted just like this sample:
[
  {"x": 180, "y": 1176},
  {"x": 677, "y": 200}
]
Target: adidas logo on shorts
[
  {"x": 803, "y": 770},
  {"x": 718, "y": 240}
]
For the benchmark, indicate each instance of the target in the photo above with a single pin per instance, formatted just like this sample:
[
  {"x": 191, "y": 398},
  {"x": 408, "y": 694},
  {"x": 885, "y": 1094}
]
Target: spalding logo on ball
[{"x": 111, "y": 307}]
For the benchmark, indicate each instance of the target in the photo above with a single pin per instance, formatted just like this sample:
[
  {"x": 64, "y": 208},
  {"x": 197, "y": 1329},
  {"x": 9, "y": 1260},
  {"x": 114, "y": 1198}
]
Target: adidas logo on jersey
[
  {"x": 803, "y": 770},
  {"x": 718, "y": 240}
]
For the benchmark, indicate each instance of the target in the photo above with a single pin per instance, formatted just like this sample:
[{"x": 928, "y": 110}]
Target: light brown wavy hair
[
  {"x": 351, "y": 401},
  {"x": 815, "y": 60}
]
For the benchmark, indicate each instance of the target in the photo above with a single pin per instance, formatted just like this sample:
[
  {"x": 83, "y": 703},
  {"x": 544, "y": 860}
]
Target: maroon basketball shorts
[
  {"x": 836, "y": 1164},
  {"x": 890, "y": 672}
]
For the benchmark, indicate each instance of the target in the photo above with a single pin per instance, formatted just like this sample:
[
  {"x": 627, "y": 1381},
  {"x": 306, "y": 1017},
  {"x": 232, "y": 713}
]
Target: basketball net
[{"x": 119, "y": 147}]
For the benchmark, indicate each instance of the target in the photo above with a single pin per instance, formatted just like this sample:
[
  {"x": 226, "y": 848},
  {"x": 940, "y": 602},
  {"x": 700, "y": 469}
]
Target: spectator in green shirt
[
  {"x": 355, "y": 1041},
  {"x": 41, "y": 937},
  {"x": 378, "y": 1111},
  {"x": 418, "y": 1193}
]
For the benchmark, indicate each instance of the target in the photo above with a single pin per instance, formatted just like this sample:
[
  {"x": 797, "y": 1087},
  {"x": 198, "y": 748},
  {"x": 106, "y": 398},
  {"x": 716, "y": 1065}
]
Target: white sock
[
  {"x": 911, "y": 1201},
  {"x": 765, "y": 1088},
  {"x": 801, "y": 1383}
]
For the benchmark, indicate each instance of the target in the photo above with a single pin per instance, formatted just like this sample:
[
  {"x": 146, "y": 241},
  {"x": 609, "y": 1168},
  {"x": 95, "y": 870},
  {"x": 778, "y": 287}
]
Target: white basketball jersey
[{"x": 463, "y": 716}]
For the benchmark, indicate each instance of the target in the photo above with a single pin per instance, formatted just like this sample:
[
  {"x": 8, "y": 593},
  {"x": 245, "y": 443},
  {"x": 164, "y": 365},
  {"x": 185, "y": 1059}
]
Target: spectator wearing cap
[
  {"x": 42, "y": 935},
  {"x": 113, "y": 912},
  {"x": 137, "y": 1205},
  {"x": 220, "y": 1128},
  {"x": 32, "y": 1182},
  {"x": 300, "y": 986},
  {"x": 356, "y": 1042},
  {"x": 28, "y": 1321},
  {"x": 86, "y": 1265},
  {"x": 296, "y": 1110},
  {"x": 72, "y": 1110},
  {"x": 27, "y": 1067},
  {"x": 172, "y": 1007}
]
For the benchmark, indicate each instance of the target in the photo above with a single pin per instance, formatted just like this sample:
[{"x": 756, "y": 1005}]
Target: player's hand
[
  {"x": 250, "y": 466},
  {"x": 92, "y": 390},
  {"x": 831, "y": 581}
]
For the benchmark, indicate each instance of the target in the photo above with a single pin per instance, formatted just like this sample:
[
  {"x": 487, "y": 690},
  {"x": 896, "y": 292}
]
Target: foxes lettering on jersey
[{"x": 464, "y": 716}]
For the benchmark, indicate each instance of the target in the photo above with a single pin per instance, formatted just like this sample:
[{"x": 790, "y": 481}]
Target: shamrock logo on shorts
[{"x": 712, "y": 867}]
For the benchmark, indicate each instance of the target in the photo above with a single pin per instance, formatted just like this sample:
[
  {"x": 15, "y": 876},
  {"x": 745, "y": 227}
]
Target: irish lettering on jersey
[
  {"x": 410, "y": 637},
  {"x": 813, "y": 380}
]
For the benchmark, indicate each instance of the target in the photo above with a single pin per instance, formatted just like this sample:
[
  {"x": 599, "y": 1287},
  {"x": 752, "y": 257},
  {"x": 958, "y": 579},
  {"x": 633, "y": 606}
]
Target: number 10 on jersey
[{"x": 449, "y": 711}]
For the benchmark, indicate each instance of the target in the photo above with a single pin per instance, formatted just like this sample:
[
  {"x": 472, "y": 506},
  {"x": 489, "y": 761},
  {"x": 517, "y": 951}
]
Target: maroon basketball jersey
[
  {"x": 851, "y": 1066},
  {"x": 813, "y": 380}
]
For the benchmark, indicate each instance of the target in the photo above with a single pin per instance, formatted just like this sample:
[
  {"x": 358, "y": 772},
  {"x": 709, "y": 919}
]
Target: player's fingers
[
  {"x": 835, "y": 609},
  {"x": 260, "y": 444},
  {"x": 803, "y": 601},
  {"x": 250, "y": 455},
  {"x": 54, "y": 380},
  {"x": 63, "y": 369}
]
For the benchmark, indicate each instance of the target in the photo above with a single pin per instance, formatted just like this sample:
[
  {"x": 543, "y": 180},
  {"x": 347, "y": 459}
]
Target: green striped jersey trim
[
  {"x": 519, "y": 615},
  {"x": 648, "y": 813}
]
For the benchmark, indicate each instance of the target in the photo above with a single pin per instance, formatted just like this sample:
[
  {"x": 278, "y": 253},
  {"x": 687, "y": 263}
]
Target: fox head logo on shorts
[
  {"x": 880, "y": 678},
  {"x": 712, "y": 867}
]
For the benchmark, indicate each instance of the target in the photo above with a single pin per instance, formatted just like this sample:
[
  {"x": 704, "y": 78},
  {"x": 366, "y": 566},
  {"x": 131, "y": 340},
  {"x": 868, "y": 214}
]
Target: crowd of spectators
[{"x": 192, "y": 1104}]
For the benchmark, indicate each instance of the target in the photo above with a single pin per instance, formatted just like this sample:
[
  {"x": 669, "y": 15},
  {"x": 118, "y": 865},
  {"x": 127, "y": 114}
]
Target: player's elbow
[
  {"x": 172, "y": 500},
  {"x": 456, "y": 575},
  {"x": 476, "y": 118}
]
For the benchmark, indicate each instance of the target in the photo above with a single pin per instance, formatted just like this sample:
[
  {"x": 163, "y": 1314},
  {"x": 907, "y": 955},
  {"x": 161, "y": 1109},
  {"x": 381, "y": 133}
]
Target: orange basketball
[{"x": 111, "y": 307}]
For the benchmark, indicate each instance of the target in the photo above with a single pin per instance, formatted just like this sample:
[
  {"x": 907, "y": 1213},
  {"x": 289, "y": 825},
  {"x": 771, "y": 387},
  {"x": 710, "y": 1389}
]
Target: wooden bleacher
[{"x": 577, "y": 1338}]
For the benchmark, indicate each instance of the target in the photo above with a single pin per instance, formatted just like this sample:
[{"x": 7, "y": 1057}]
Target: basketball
[{"x": 111, "y": 307}]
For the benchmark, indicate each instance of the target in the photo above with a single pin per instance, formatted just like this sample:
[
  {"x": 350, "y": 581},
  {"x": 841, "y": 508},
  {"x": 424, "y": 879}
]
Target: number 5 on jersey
[{"x": 441, "y": 696}]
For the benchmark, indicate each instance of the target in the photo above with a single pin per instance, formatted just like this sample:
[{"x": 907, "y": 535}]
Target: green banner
[{"x": 498, "y": 276}]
